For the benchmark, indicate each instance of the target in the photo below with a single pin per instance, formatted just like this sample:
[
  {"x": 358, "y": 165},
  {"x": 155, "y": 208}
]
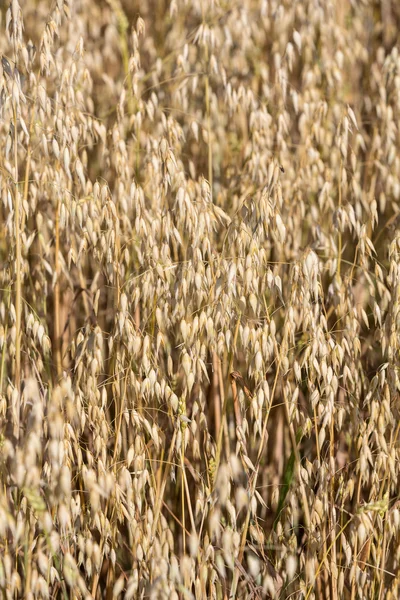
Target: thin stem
[
  {"x": 18, "y": 276},
  {"x": 216, "y": 396},
  {"x": 324, "y": 535},
  {"x": 160, "y": 494},
  {"x": 224, "y": 398},
  {"x": 4, "y": 349},
  {"x": 57, "y": 328},
  {"x": 339, "y": 258},
  {"x": 333, "y": 512},
  {"x": 210, "y": 155},
  {"x": 208, "y": 112},
  {"x": 183, "y": 488},
  {"x": 355, "y": 552}
]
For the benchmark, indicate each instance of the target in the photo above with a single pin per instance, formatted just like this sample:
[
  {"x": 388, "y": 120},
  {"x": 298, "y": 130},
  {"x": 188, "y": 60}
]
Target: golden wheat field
[{"x": 200, "y": 299}]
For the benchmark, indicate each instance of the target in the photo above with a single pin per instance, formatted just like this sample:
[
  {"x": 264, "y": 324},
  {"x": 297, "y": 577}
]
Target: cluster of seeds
[{"x": 200, "y": 299}]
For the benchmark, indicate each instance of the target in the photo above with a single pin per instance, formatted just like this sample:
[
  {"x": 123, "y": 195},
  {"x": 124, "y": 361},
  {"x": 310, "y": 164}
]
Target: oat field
[{"x": 200, "y": 299}]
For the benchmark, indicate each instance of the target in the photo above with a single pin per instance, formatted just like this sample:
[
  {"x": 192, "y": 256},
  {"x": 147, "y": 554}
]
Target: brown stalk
[
  {"x": 216, "y": 398},
  {"x": 18, "y": 278},
  {"x": 57, "y": 327}
]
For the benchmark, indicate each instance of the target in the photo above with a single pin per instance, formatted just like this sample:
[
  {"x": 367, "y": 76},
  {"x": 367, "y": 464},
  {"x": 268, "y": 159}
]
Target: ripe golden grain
[{"x": 199, "y": 308}]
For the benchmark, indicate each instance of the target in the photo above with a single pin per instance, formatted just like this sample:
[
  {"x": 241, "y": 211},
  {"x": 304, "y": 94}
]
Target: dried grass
[{"x": 199, "y": 316}]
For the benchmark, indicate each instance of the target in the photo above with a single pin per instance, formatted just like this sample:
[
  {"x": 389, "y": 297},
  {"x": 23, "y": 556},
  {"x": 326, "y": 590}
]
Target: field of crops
[{"x": 200, "y": 299}]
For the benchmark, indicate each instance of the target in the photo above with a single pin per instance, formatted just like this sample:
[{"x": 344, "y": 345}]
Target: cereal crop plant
[{"x": 200, "y": 299}]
